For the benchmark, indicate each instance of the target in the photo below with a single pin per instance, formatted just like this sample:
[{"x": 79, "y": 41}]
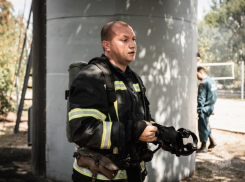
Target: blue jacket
[{"x": 207, "y": 96}]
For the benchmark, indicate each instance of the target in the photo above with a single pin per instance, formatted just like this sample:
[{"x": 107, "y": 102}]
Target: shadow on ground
[
  {"x": 15, "y": 159},
  {"x": 219, "y": 171},
  {"x": 226, "y": 162},
  {"x": 15, "y": 166}
]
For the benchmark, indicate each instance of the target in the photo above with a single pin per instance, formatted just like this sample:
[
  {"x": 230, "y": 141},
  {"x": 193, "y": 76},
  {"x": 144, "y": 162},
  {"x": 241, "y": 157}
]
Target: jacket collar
[
  {"x": 205, "y": 79},
  {"x": 127, "y": 72}
]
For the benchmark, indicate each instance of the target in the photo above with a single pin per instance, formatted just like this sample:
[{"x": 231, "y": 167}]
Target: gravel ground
[{"x": 226, "y": 162}]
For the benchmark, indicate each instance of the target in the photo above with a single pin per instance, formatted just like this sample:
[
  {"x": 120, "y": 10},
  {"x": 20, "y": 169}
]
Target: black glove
[
  {"x": 168, "y": 134},
  {"x": 171, "y": 140}
]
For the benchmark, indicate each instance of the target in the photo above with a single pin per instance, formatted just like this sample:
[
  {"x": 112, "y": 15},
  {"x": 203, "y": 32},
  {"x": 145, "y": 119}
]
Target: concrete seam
[
  {"x": 117, "y": 15},
  {"x": 181, "y": 76}
]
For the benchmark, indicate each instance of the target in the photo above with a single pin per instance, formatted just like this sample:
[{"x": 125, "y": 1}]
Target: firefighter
[
  {"x": 90, "y": 123},
  {"x": 207, "y": 96}
]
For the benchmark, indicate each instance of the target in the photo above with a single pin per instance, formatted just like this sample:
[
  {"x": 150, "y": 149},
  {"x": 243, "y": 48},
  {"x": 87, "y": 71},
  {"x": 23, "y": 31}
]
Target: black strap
[
  {"x": 67, "y": 94},
  {"x": 143, "y": 90},
  {"x": 110, "y": 87}
]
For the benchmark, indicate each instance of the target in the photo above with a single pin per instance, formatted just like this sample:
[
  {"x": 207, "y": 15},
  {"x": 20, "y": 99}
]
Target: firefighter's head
[{"x": 118, "y": 42}]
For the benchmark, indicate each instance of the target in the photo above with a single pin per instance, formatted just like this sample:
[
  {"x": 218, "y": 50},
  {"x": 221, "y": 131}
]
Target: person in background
[{"x": 206, "y": 98}]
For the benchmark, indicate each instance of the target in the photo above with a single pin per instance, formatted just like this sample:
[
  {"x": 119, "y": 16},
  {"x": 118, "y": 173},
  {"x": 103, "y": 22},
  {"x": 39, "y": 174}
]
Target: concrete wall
[{"x": 166, "y": 59}]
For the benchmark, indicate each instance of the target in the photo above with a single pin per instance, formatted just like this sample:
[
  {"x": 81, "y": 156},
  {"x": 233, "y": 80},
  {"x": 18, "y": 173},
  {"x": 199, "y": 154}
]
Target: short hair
[
  {"x": 107, "y": 32},
  {"x": 201, "y": 69}
]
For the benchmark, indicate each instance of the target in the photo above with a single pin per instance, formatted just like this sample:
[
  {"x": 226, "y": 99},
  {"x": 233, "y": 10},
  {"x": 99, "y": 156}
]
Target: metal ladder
[
  {"x": 26, "y": 78},
  {"x": 25, "y": 87}
]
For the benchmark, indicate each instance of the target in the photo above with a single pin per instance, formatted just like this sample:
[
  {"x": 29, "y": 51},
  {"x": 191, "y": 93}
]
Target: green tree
[
  {"x": 221, "y": 36},
  {"x": 229, "y": 18},
  {"x": 10, "y": 27}
]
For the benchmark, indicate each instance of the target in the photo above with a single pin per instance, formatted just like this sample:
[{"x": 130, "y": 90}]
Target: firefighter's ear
[{"x": 106, "y": 45}]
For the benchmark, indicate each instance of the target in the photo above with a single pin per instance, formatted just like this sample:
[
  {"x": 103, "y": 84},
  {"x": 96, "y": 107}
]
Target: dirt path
[
  {"x": 229, "y": 114},
  {"x": 226, "y": 162}
]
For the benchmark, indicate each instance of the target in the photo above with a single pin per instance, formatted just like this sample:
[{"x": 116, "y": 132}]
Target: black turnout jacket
[{"x": 90, "y": 123}]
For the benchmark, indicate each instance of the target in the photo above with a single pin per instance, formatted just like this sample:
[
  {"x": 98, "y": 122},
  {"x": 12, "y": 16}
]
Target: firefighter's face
[{"x": 122, "y": 47}]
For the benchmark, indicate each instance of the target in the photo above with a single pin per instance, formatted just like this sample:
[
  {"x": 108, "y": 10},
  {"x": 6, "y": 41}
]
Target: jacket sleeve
[
  {"x": 89, "y": 124},
  {"x": 148, "y": 110},
  {"x": 201, "y": 98}
]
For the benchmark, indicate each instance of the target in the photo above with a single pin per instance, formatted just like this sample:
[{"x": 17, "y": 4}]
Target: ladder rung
[
  {"x": 29, "y": 86},
  {"x": 28, "y": 98},
  {"x": 25, "y": 109},
  {"x": 30, "y": 74},
  {"x": 24, "y": 120}
]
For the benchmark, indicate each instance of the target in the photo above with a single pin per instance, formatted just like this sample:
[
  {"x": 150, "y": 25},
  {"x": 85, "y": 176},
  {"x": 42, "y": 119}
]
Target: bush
[{"x": 10, "y": 28}]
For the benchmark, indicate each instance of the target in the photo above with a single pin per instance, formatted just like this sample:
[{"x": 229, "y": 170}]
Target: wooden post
[{"x": 39, "y": 87}]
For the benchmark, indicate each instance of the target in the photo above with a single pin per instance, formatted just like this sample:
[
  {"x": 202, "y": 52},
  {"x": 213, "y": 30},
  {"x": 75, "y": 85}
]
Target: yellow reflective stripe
[
  {"x": 119, "y": 85},
  {"x": 136, "y": 87},
  {"x": 109, "y": 117},
  {"x": 115, "y": 150},
  {"x": 120, "y": 175},
  {"x": 81, "y": 170},
  {"x": 116, "y": 108},
  {"x": 152, "y": 122},
  {"x": 78, "y": 113},
  {"x": 106, "y": 135},
  {"x": 142, "y": 165}
]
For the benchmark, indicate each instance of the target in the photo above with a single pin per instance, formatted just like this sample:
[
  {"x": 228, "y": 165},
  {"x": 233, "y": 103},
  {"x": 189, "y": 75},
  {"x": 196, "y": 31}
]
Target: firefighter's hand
[{"x": 148, "y": 134}]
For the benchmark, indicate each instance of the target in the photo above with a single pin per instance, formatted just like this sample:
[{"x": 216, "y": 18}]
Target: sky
[
  {"x": 20, "y": 6},
  {"x": 203, "y": 5}
]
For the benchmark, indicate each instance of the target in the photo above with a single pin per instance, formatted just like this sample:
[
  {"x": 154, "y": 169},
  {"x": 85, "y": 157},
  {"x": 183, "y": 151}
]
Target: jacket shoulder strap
[{"x": 110, "y": 87}]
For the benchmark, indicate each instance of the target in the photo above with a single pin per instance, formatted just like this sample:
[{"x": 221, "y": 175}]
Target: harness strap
[
  {"x": 110, "y": 87},
  {"x": 110, "y": 90},
  {"x": 143, "y": 90}
]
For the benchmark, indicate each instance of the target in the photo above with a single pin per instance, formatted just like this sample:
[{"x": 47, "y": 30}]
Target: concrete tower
[{"x": 166, "y": 33}]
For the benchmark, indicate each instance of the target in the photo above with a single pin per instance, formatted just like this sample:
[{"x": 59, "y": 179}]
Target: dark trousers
[{"x": 203, "y": 127}]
